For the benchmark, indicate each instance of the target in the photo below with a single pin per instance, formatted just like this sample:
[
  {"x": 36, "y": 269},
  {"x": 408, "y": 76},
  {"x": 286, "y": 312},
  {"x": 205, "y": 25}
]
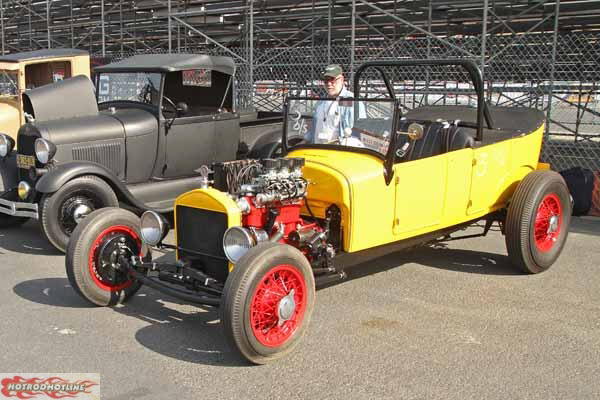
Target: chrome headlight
[
  {"x": 153, "y": 228},
  {"x": 44, "y": 150},
  {"x": 238, "y": 240},
  {"x": 6, "y": 145}
]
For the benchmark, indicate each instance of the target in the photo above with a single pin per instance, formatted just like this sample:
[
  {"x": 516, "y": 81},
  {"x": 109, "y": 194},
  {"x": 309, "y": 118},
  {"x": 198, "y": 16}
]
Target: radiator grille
[
  {"x": 202, "y": 231},
  {"x": 26, "y": 146},
  {"x": 106, "y": 154}
]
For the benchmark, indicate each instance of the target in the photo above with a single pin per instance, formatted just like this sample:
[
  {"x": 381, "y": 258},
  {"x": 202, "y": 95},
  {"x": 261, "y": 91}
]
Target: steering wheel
[{"x": 171, "y": 104}]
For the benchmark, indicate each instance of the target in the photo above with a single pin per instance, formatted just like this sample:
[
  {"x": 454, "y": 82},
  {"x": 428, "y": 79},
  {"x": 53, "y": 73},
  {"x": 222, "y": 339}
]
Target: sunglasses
[{"x": 332, "y": 80}]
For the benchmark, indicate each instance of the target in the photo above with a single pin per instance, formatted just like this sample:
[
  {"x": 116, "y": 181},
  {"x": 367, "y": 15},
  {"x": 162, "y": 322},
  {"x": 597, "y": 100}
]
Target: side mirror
[{"x": 182, "y": 108}]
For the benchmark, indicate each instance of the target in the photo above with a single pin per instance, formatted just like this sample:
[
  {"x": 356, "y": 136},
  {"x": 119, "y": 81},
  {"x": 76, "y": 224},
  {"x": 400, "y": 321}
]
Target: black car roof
[
  {"x": 46, "y": 53},
  {"x": 170, "y": 63}
]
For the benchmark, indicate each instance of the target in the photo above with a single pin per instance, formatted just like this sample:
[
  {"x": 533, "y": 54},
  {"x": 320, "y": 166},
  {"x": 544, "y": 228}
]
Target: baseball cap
[{"x": 332, "y": 71}]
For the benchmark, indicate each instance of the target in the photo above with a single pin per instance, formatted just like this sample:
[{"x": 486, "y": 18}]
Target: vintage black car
[{"x": 137, "y": 141}]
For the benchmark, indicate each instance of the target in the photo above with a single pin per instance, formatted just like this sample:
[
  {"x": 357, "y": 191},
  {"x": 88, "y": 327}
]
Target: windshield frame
[
  {"x": 17, "y": 86},
  {"x": 160, "y": 89},
  {"x": 364, "y": 150}
]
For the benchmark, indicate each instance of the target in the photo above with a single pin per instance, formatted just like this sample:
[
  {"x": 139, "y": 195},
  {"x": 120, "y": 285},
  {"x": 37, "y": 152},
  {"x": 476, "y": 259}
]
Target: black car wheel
[
  {"x": 268, "y": 301},
  {"x": 538, "y": 221},
  {"x": 60, "y": 212},
  {"x": 93, "y": 258}
]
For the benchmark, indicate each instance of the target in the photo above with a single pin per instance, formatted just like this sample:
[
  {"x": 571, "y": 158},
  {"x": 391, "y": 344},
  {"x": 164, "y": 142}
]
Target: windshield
[
  {"x": 8, "y": 83},
  {"x": 364, "y": 123},
  {"x": 143, "y": 87}
]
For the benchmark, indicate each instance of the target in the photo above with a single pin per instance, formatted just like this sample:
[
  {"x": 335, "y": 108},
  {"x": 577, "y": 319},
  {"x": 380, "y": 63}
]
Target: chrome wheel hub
[
  {"x": 80, "y": 212},
  {"x": 553, "y": 224},
  {"x": 286, "y": 308}
]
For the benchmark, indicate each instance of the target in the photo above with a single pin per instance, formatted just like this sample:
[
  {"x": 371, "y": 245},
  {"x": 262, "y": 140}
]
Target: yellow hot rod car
[{"x": 259, "y": 235}]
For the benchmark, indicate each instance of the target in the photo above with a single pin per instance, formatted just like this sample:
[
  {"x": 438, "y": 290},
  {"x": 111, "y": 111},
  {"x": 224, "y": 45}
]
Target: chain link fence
[{"x": 519, "y": 71}]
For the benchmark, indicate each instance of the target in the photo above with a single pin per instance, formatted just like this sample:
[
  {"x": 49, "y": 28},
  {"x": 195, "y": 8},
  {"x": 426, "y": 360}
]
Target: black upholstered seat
[{"x": 438, "y": 138}]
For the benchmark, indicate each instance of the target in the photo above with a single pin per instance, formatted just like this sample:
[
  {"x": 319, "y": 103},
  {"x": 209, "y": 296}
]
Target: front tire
[
  {"x": 268, "y": 301},
  {"x": 538, "y": 221},
  {"x": 60, "y": 212},
  {"x": 92, "y": 256}
]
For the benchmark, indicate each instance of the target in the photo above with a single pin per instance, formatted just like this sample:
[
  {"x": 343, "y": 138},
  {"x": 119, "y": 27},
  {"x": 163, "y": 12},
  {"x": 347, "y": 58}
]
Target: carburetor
[{"x": 279, "y": 181}]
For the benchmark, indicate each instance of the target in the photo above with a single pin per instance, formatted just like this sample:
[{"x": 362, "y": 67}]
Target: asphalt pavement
[{"x": 455, "y": 321}]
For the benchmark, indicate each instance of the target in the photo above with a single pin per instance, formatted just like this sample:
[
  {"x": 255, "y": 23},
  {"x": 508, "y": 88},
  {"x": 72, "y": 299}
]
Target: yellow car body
[{"x": 424, "y": 195}]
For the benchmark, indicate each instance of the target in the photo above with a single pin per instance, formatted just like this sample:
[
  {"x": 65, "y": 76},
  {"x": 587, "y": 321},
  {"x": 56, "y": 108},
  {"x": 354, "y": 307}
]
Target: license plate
[{"x": 25, "y": 162}]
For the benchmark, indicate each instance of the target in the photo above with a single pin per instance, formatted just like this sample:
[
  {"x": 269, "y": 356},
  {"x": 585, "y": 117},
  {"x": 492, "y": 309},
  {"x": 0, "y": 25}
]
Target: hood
[
  {"x": 70, "y": 98},
  {"x": 354, "y": 167}
]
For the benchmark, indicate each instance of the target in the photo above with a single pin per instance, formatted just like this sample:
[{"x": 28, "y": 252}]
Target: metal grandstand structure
[{"x": 534, "y": 53}]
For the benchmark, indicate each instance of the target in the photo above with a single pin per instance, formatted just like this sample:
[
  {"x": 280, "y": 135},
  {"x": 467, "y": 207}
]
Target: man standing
[{"x": 333, "y": 120}]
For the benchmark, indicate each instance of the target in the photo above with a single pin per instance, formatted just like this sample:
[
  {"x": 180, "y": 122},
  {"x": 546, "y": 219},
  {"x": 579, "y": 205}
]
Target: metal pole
[
  {"x": 429, "y": 17},
  {"x": 134, "y": 25},
  {"x": 329, "y": 32},
  {"x": 121, "y": 26},
  {"x": 251, "y": 56},
  {"x": 312, "y": 43},
  {"x": 178, "y": 33},
  {"x": 169, "y": 24},
  {"x": 2, "y": 20},
  {"x": 102, "y": 22},
  {"x": 553, "y": 68},
  {"x": 352, "y": 39},
  {"x": 29, "y": 8},
  {"x": 72, "y": 35},
  {"x": 48, "y": 22},
  {"x": 483, "y": 36},
  {"x": 483, "y": 44}
]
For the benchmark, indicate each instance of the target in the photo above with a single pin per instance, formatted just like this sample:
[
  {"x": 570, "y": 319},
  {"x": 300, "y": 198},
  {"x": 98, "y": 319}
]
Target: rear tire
[
  {"x": 267, "y": 302},
  {"x": 58, "y": 210},
  {"x": 91, "y": 253},
  {"x": 538, "y": 221}
]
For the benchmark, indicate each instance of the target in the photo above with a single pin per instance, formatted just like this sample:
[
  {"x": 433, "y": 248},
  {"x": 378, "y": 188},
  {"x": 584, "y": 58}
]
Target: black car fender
[
  {"x": 266, "y": 144},
  {"x": 59, "y": 175},
  {"x": 9, "y": 175}
]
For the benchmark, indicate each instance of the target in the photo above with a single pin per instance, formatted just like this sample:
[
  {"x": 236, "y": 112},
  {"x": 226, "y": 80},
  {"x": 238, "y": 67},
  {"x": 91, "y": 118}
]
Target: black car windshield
[
  {"x": 363, "y": 123},
  {"x": 8, "y": 83},
  {"x": 142, "y": 87}
]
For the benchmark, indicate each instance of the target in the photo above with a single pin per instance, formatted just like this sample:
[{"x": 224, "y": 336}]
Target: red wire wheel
[
  {"x": 113, "y": 242},
  {"x": 267, "y": 302},
  {"x": 548, "y": 221},
  {"x": 277, "y": 306},
  {"x": 96, "y": 252},
  {"x": 537, "y": 221}
]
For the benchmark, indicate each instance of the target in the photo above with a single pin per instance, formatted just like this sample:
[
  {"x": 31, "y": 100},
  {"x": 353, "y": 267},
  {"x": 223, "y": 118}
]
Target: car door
[
  {"x": 420, "y": 195},
  {"x": 190, "y": 143},
  {"x": 489, "y": 178},
  {"x": 227, "y": 136}
]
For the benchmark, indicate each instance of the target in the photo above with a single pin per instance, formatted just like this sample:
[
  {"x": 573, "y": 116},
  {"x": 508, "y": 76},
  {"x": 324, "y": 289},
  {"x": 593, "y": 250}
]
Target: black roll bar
[{"x": 483, "y": 111}]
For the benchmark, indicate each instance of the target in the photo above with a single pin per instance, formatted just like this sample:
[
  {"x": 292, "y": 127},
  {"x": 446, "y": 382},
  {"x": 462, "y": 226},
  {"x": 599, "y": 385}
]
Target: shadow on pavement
[
  {"x": 193, "y": 336},
  {"x": 585, "y": 225},
  {"x": 52, "y": 292},
  {"x": 27, "y": 239},
  {"x": 437, "y": 256}
]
